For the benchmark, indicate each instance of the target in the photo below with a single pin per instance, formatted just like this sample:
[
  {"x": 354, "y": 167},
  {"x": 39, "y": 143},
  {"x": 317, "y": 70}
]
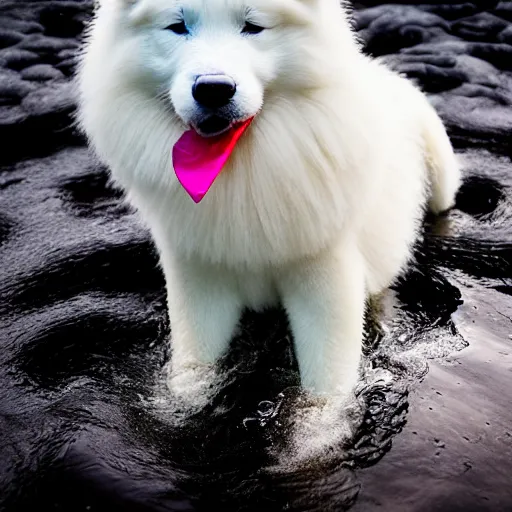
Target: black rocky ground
[{"x": 83, "y": 326}]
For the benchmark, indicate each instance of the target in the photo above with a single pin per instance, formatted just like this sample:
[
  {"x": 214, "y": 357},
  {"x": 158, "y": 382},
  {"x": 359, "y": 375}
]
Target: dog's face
[{"x": 216, "y": 60}]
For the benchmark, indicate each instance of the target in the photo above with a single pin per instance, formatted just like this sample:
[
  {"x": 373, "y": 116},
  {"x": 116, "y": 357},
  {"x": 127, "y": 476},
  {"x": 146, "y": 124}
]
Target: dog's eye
[
  {"x": 251, "y": 28},
  {"x": 178, "y": 28}
]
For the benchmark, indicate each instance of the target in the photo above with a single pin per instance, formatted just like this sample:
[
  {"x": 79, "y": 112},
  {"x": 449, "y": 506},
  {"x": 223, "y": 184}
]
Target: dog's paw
[
  {"x": 193, "y": 383},
  {"x": 318, "y": 425}
]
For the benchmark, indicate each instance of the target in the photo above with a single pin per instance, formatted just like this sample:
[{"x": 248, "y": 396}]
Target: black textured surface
[{"x": 83, "y": 328}]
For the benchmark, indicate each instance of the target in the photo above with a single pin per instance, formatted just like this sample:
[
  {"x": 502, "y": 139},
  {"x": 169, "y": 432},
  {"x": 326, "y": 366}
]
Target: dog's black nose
[{"x": 213, "y": 91}]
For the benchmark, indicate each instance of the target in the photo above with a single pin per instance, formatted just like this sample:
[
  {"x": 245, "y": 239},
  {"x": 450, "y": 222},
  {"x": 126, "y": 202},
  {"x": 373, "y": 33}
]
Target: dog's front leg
[
  {"x": 325, "y": 300},
  {"x": 204, "y": 308}
]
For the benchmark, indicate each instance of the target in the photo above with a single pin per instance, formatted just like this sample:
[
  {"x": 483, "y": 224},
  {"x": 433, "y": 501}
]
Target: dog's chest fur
[{"x": 272, "y": 203}]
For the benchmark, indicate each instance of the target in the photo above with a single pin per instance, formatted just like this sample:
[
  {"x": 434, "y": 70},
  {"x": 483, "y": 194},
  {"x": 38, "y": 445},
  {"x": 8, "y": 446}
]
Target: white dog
[{"x": 319, "y": 203}]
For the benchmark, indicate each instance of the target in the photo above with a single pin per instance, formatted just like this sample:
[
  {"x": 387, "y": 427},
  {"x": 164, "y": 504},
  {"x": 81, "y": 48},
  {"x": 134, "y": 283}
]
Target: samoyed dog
[{"x": 273, "y": 162}]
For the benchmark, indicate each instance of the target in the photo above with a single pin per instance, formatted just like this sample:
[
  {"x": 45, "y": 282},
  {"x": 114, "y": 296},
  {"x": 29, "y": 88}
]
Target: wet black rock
[
  {"x": 9, "y": 37},
  {"x": 17, "y": 59},
  {"x": 41, "y": 73},
  {"x": 12, "y": 87},
  {"x": 63, "y": 19},
  {"x": 84, "y": 420},
  {"x": 55, "y": 98}
]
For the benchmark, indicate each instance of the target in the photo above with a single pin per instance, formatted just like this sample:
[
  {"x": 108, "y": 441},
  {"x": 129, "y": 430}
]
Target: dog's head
[{"x": 215, "y": 61}]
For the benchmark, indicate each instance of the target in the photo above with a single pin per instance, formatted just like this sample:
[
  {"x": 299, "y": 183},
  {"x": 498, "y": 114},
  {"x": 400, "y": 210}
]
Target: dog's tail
[{"x": 443, "y": 166}]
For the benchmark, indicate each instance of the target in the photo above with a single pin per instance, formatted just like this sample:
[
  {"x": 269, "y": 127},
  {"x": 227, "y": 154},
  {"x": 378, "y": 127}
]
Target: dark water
[{"x": 86, "y": 420}]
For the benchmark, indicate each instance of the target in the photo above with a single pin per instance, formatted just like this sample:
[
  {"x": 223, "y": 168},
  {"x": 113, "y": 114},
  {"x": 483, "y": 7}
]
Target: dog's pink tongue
[{"x": 198, "y": 160}]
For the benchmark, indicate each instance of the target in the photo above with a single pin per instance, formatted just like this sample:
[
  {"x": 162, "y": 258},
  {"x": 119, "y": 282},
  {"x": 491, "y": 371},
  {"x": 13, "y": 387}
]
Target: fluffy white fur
[{"x": 321, "y": 200}]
